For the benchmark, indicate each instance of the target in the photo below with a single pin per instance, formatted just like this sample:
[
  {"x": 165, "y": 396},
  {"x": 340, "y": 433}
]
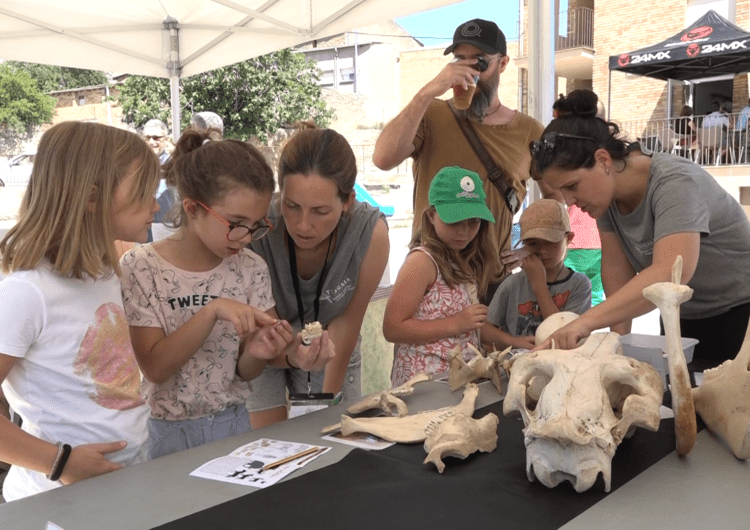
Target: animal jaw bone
[
  {"x": 413, "y": 428},
  {"x": 668, "y": 297},
  {"x": 460, "y": 436},
  {"x": 722, "y": 400},
  {"x": 594, "y": 397},
  {"x": 460, "y": 372},
  {"x": 388, "y": 399}
]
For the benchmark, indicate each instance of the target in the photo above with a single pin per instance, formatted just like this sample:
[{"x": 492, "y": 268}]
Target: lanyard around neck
[{"x": 295, "y": 280}]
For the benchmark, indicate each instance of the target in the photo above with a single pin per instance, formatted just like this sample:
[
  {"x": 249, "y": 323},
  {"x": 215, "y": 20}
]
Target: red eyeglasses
[{"x": 239, "y": 231}]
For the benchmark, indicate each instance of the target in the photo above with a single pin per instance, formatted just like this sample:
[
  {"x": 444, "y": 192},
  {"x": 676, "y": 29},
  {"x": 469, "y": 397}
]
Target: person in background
[
  {"x": 651, "y": 208},
  {"x": 427, "y": 125},
  {"x": 326, "y": 255},
  {"x": 199, "y": 303},
  {"x": 206, "y": 120},
  {"x": 742, "y": 125},
  {"x": 157, "y": 137},
  {"x": 66, "y": 361},
  {"x": 434, "y": 306},
  {"x": 543, "y": 287},
  {"x": 716, "y": 118}
]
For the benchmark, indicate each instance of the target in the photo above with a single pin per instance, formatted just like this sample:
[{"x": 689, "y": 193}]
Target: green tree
[
  {"x": 50, "y": 78},
  {"x": 22, "y": 104},
  {"x": 254, "y": 97}
]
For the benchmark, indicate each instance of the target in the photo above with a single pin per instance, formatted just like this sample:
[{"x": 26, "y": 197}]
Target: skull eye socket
[
  {"x": 534, "y": 388},
  {"x": 618, "y": 392}
]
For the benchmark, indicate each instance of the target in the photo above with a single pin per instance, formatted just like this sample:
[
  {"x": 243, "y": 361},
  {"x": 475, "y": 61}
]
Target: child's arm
[
  {"x": 493, "y": 335},
  {"x": 159, "y": 355},
  {"x": 399, "y": 325},
  {"x": 19, "y": 448},
  {"x": 537, "y": 276},
  {"x": 344, "y": 330}
]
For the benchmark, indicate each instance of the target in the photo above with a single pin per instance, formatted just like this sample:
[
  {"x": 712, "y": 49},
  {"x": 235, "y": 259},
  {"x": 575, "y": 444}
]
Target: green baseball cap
[{"x": 457, "y": 194}]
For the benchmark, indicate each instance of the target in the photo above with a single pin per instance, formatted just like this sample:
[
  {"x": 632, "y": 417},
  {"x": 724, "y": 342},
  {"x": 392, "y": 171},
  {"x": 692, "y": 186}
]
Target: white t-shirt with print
[
  {"x": 158, "y": 294},
  {"x": 76, "y": 380}
]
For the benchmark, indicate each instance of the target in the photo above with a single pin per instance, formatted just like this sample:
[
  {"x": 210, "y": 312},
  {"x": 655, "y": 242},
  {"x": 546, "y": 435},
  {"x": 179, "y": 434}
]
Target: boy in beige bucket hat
[{"x": 544, "y": 285}]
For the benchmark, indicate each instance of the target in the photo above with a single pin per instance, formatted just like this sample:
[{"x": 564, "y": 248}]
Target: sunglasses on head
[{"x": 547, "y": 143}]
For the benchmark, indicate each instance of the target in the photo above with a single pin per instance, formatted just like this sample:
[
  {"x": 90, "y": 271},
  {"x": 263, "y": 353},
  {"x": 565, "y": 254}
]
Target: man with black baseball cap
[{"x": 429, "y": 130}]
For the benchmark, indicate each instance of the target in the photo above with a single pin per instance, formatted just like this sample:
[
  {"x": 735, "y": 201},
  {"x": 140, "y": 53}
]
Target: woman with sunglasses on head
[
  {"x": 326, "y": 254},
  {"x": 199, "y": 304},
  {"x": 650, "y": 208}
]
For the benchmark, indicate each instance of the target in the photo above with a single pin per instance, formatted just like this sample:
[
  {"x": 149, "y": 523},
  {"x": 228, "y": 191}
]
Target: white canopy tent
[{"x": 177, "y": 38}]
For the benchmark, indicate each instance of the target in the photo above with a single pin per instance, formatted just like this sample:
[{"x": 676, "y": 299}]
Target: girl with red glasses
[{"x": 201, "y": 312}]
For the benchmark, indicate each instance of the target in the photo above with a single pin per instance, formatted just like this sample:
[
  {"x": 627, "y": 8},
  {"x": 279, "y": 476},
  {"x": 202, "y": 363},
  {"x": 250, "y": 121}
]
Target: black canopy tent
[{"x": 710, "y": 46}]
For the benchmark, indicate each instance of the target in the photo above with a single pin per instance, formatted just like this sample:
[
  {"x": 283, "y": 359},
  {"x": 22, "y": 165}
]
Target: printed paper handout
[{"x": 253, "y": 464}]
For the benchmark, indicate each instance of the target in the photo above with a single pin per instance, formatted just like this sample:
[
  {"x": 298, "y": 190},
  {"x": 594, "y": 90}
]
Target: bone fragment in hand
[{"x": 312, "y": 331}]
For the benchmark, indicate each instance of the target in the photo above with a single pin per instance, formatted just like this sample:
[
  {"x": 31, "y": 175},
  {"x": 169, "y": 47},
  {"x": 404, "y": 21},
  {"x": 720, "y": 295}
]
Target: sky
[{"x": 436, "y": 27}]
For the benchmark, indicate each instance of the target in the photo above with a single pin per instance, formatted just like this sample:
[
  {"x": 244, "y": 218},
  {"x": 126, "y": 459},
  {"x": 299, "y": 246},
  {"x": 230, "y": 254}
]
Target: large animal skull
[{"x": 593, "y": 397}]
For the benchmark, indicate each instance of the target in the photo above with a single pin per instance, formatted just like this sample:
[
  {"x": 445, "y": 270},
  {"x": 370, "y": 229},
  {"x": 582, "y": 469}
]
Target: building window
[{"x": 81, "y": 100}]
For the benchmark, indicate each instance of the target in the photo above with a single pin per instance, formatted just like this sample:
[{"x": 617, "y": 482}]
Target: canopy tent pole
[
  {"x": 541, "y": 66},
  {"x": 173, "y": 67},
  {"x": 541, "y": 60}
]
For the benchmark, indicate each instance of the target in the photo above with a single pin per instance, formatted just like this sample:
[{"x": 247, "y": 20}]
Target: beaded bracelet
[{"x": 57, "y": 469}]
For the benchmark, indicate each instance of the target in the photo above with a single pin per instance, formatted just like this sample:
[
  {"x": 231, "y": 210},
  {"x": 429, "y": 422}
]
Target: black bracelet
[
  {"x": 58, "y": 470},
  {"x": 289, "y": 364}
]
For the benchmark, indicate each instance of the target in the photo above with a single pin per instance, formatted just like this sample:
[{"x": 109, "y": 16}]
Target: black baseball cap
[{"x": 483, "y": 34}]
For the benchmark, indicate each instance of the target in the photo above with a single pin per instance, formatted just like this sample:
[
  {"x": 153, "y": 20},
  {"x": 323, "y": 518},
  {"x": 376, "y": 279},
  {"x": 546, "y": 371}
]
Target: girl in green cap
[{"x": 434, "y": 306}]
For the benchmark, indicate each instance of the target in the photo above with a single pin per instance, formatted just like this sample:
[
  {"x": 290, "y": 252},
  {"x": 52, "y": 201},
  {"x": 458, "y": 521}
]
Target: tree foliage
[
  {"x": 254, "y": 97},
  {"x": 22, "y": 104},
  {"x": 50, "y": 78}
]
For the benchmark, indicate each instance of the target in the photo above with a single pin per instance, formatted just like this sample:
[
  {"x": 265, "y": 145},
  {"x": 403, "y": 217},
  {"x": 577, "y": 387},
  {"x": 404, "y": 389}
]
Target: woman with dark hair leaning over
[
  {"x": 650, "y": 208},
  {"x": 326, "y": 254}
]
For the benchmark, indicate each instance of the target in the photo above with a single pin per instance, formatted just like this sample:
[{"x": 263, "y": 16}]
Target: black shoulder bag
[{"x": 494, "y": 172}]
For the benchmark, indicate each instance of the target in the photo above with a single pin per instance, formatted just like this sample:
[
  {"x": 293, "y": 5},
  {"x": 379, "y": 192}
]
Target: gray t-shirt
[
  {"x": 682, "y": 197},
  {"x": 514, "y": 308},
  {"x": 352, "y": 241}
]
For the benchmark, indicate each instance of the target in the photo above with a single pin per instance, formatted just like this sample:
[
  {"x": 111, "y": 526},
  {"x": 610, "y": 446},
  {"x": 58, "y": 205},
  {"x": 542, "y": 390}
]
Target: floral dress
[{"x": 440, "y": 301}]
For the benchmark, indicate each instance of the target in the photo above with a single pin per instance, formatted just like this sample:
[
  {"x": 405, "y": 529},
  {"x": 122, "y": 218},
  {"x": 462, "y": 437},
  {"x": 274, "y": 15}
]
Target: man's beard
[{"x": 481, "y": 101}]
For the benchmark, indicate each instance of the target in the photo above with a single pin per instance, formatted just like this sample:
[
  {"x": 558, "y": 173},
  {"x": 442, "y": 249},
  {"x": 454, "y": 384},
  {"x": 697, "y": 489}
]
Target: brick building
[{"x": 589, "y": 31}]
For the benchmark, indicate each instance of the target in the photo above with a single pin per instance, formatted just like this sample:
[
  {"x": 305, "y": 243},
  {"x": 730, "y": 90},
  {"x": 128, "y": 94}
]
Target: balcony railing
[
  {"x": 705, "y": 140},
  {"x": 576, "y": 29}
]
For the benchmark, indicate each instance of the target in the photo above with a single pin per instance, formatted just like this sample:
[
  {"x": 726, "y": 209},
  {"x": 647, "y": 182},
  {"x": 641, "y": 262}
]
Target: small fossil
[{"x": 312, "y": 331}]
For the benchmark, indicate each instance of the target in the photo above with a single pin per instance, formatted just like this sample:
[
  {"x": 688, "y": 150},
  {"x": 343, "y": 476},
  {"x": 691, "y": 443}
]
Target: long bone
[
  {"x": 723, "y": 400},
  {"x": 668, "y": 296}
]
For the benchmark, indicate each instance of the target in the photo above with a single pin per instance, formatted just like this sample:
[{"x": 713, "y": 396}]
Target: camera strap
[{"x": 495, "y": 173}]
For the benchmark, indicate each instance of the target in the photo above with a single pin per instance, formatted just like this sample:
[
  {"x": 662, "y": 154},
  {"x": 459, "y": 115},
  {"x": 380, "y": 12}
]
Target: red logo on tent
[
  {"x": 693, "y": 50},
  {"x": 697, "y": 33},
  {"x": 623, "y": 60}
]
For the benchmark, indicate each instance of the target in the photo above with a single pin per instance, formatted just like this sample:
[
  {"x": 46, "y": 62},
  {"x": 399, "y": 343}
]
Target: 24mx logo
[
  {"x": 724, "y": 46},
  {"x": 648, "y": 57}
]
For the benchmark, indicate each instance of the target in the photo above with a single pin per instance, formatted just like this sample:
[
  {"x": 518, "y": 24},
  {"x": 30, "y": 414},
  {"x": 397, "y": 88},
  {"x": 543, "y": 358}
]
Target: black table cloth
[{"x": 393, "y": 489}]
